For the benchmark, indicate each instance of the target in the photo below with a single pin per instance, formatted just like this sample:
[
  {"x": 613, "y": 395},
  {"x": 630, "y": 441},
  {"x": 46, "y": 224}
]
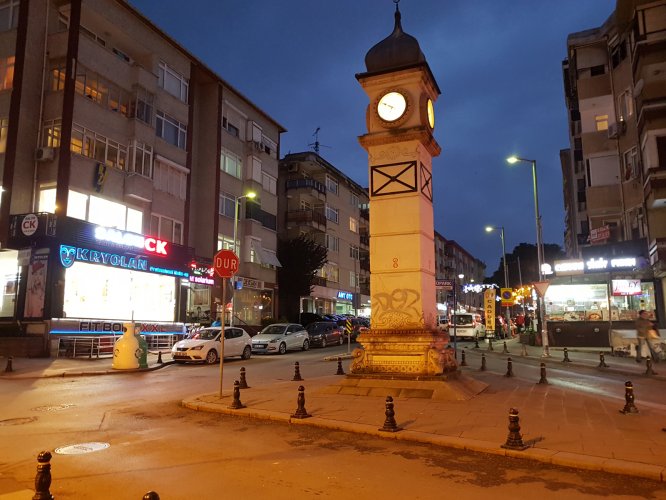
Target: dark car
[
  {"x": 323, "y": 333},
  {"x": 356, "y": 325}
]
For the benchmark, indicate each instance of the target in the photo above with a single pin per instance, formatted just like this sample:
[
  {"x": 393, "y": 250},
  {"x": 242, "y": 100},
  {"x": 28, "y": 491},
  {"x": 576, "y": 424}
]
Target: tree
[
  {"x": 522, "y": 264},
  {"x": 301, "y": 258}
]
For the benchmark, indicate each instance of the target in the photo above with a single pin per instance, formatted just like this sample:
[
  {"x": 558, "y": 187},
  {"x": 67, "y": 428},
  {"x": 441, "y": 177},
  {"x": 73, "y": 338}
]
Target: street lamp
[
  {"x": 250, "y": 195},
  {"x": 539, "y": 243},
  {"x": 490, "y": 229}
]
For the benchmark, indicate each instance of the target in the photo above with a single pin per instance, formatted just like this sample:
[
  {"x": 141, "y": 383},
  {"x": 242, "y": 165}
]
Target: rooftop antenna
[{"x": 316, "y": 145}]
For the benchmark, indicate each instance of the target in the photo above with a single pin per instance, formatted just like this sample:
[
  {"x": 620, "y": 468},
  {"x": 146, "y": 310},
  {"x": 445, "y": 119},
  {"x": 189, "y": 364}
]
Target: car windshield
[
  {"x": 463, "y": 319},
  {"x": 273, "y": 330},
  {"x": 319, "y": 327},
  {"x": 208, "y": 334}
]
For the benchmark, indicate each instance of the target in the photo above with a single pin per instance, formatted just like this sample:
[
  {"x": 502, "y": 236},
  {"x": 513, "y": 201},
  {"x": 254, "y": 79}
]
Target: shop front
[
  {"x": 78, "y": 278},
  {"x": 253, "y": 301},
  {"x": 594, "y": 302}
]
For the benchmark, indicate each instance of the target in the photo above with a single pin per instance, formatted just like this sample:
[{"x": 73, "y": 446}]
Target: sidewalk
[{"x": 560, "y": 426}]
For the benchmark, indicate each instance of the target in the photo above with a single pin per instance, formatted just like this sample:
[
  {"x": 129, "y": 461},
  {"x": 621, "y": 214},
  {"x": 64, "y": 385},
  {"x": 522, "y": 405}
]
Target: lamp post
[
  {"x": 490, "y": 229},
  {"x": 539, "y": 243},
  {"x": 251, "y": 195},
  {"x": 455, "y": 315}
]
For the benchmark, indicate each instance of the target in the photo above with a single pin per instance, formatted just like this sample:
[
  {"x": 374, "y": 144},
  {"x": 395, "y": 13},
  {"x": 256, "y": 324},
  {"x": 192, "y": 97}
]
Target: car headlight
[
  {"x": 196, "y": 348},
  {"x": 273, "y": 341}
]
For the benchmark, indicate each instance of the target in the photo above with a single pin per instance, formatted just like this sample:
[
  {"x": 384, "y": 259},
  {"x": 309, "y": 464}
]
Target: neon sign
[
  {"x": 567, "y": 267},
  {"x": 149, "y": 244},
  {"x": 70, "y": 254}
]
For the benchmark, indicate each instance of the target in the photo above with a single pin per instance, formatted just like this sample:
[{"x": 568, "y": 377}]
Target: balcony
[
  {"x": 319, "y": 281},
  {"x": 655, "y": 190},
  {"x": 316, "y": 187},
  {"x": 657, "y": 251},
  {"x": 365, "y": 240},
  {"x": 139, "y": 187},
  {"x": 307, "y": 217}
]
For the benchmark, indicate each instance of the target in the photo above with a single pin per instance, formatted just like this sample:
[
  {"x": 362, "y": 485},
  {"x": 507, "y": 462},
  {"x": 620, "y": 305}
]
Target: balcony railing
[
  {"x": 306, "y": 184},
  {"x": 319, "y": 281},
  {"x": 306, "y": 216}
]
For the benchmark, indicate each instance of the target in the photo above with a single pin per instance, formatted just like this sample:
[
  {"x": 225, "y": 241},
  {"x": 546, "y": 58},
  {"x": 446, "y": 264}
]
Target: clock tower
[{"x": 403, "y": 339}]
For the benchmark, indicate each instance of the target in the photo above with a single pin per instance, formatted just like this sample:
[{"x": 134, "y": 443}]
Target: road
[{"x": 156, "y": 444}]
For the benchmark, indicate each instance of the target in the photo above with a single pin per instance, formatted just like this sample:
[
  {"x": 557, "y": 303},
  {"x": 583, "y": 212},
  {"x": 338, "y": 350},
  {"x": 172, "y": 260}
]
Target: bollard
[
  {"x": 297, "y": 372},
  {"x": 602, "y": 361},
  {"x": 490, "y": 344},
  {"x": 483, "y": 362},
  {"x": 463, "y": 362},
  {"x": 566, "y": 356},
  {"x": 151, "y": 495},
  {"x": 340, "y": 370},
  {"x": 509, "y": 368},
  {"x": 43, "y": 477},
  {"x": 629, "y": 406},
  {"x": 476, "y": 342},
  {"x": 390, "y": 425},
  {"x": 9, "y": 367},
  {"x": 301, "y": 412},
  {"x": 505, "y": 350},
  {"x": 514, "y": 440},
  {"x": 648, "y": 364},
  {"x": 543, "y": 379},
  {"x": 243, "y": 380},
  {"x": 159, "y": 360},
  {"x": 236, "y": 403},
  {"x": 524, "y": 350}
]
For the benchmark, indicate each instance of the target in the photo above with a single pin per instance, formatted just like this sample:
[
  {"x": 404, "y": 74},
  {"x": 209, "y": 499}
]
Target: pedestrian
[
  {"x": 643, "y": 324},
  {"x": 528, "y": 322}
]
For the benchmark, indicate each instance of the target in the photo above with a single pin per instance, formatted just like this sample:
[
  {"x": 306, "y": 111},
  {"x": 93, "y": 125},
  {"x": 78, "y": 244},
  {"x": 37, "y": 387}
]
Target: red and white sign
[
  {"x": 125, "y": 238},
  {"x": 600, "y": 234},
  {"x": 626, "y": 287},
  {"x": 225, "y": 263},
  {"x": 541, "y": 287},
  {"x": 29, "y": 224}
]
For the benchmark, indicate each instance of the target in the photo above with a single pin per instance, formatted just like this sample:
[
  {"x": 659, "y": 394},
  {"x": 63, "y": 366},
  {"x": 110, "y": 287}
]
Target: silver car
[{"x": 281, "y": 337}]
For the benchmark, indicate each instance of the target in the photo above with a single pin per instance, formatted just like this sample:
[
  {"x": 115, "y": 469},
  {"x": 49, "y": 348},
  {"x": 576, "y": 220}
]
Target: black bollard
[
  {"x": 543, "y": 379},
  {"x": 43, "y": 477},
  {"x": 9, "y": 367},
  {"x": 159, "y": 358},
  {"x": 243, "y": 381},
  {"x": 297, "y": 372},
  {"x": 648, "y": 364},
  {"x": 505, "y": 350},
  {"x": 629, "y": 406},
  {"x": 509, "y": 368},
  {"x": 476, "y": 342},
  {"x": 602, "y": 361},
  {"x": 151, "y": 495},
  {"x": 490, "y": 344},
  {"x": 483, "y": 362},
  {"x": 236, "y": 403},
  {"x": 566, "y": 356},
  {"x": 463, "y": 362},
  {"x": 301, "y": 412},
  {"x": 390, "y": 425},
  {"x": 340, "y": 370},
  {"x": 514, "y": 440}
]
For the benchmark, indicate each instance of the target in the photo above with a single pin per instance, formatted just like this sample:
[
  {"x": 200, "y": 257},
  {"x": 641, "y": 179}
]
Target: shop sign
[
  {"x": 201, "y": 274},
  {"x": 202, "y": 280},
  {"x": 600, "y": 234},
  {"x": 477, "y": 287},
  {"x": 626, "y": 287},
  {"x": 69, "y": 254},
  {"x": 29, "y": 224},
  {"x": 124, "y": 238},
  {"x": 570, "y": 267},
  {"x": 251, "y": 283},
  {"x": 66, "y": 326},
  {"x": 345, "y": 296}
]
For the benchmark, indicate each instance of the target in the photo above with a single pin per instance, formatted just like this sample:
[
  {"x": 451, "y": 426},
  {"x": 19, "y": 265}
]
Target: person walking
[{"x": 643, "y": 325}]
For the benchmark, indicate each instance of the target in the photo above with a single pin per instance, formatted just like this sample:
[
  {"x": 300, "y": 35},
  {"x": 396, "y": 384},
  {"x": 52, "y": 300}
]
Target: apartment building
[
  {"x": 126, "y": 164},
  {"x": 318, "y": 200}
]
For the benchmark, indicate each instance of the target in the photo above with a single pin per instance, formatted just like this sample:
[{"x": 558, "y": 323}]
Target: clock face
[
  {"x": 431, "y": 114},
  {"x": 392, "y": 106}
]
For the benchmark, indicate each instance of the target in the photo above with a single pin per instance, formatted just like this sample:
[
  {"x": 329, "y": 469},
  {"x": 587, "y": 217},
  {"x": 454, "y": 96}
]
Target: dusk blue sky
[{"x": 498, "y": 64}]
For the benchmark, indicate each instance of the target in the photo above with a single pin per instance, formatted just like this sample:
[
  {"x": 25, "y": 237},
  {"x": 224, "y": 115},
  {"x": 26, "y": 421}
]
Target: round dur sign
[{"x": 225, "y": 263}]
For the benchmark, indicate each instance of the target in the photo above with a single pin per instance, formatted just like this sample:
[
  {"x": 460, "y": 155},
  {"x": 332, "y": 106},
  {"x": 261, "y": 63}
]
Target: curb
[{"x": 64, "y": 374}]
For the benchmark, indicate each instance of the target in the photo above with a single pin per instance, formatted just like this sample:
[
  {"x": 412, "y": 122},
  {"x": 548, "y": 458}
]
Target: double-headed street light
[
  {"x": 250, "y": 195},
  {"x": 539, "y": 242},
  {"x": 490, "y": 229}
]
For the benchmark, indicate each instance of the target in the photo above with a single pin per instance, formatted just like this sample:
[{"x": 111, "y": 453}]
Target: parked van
[{"x": 467, "y": 326}]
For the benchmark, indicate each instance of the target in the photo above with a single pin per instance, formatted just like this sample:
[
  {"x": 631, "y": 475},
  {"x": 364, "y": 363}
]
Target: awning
[{"x": 265, "y": 256}]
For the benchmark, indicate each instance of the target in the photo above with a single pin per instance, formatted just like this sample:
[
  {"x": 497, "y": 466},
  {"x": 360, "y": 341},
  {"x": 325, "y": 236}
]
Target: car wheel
[
  {"x": 306, "y": 345},
  {"x": 323, "y": 342},
  {"x": 247, "y": 352},
  {"x": 283, "y": 348},
  {"x": 211, "y": 357}
]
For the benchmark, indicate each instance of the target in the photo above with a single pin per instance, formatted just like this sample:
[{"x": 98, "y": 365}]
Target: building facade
[
  {"x": 318, "y": 200},
  {"x": 125, "y": 166}
]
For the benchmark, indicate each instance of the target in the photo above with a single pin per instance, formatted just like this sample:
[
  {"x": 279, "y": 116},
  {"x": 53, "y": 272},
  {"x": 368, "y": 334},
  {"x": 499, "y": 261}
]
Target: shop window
[
  {"x": 106, "y": 213},
  {"x": 77, "y": 205},
  {"x": 134, "y": 221},
  {"x": 47, "y": 200}
]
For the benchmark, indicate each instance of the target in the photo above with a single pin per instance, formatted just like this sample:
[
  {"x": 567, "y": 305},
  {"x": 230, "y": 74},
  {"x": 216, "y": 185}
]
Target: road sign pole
[{"x": 222, "y": 321}]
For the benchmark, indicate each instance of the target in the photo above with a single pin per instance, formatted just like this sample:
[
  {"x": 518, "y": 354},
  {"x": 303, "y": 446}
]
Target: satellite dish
[{"x": 639, "y": 87}]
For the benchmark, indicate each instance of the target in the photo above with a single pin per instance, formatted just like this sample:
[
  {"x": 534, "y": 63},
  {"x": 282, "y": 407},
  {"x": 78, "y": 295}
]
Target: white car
[
  {"x": 205, "y": 345},
  {"x": 281, "y": 337}
]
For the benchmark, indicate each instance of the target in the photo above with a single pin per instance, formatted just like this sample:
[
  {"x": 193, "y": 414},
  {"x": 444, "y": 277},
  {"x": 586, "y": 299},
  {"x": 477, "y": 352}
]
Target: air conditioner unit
[
  {"x": 44, "y": 154},
  {"x": 292, "y": 169}
]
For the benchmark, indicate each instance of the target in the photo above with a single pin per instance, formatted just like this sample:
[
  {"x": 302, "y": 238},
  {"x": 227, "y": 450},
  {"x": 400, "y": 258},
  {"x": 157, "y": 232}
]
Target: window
[
  {"x": 229, "y": 127},
  {"x": 170, "y": 129},
  {"x": 51, "y": 133},
  {"x": 142, "y": 105},
  {"x": 305, "y": 205},
  {"x": 172, "y": 81},
  {"x": 88, "y": 143},
  {"x": 601, "y": 122},
  {"x": 331, "y": 185},
  {"x": 96, "y": 88},
  {"x": 332, "y": 242},
  {"x": 142, "y": 159},
  {"x": 630, "y": 163},
  {"x": 354, "y": 279},
  {"x": 58, "y": 78},
  {"x": 332, "y": 213},
  {"x": 166, "y": 228},
  {"x": 354, "y": 252},
  {"x": 353, "y": 200},
  {"x": 254, "y": 169},
  {"x": 4, "y": 124},
  {"x": 353, "y": 225},
  {"x": 625, "y": 105},
  {"x": 8, "y": 14},
  {"x": 227, "y": 205},
  {"x": 6, "y": 73},
  {"x": 231, "y": 164},
  {"x": 225, "y": 243},
  {"x": 269, "y": 183},
  {"x": 330, "y": 272},
  {"x": 170, "y": 177}
]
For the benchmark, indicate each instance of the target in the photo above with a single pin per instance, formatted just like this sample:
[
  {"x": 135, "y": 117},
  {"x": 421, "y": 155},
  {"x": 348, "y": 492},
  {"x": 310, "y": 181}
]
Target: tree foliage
[
  {"x": 301, "y": 258},
  {"x": 522, "y": 264}
]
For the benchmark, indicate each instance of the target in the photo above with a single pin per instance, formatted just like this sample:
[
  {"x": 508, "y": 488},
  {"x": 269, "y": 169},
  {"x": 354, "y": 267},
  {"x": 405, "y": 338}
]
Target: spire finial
[{"x": 398, "y": 26}]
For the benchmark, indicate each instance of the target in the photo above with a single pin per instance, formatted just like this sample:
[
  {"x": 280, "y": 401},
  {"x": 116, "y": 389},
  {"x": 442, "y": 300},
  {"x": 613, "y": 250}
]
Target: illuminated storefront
[{"x": 253, "y": 300}]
